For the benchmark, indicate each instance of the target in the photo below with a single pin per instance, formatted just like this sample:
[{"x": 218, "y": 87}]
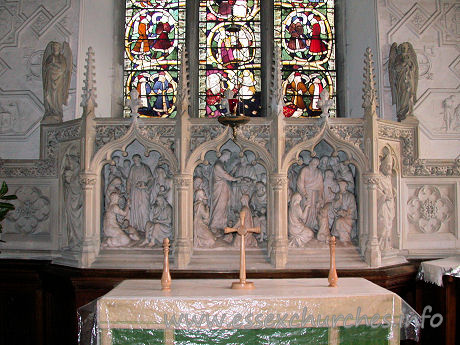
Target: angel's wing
[
  {"x": 67, "y": 52},
  {"x": 45, "y": 76},
  {"x": 391, "y": 71},
  {"x": 414, "y": 62}
]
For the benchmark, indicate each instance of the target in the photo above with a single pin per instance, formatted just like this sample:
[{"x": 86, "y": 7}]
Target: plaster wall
[{"x": 433, "y": 28}]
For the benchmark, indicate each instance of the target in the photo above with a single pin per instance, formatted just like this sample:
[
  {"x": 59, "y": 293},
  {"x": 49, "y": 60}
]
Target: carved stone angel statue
[
  {"x": 403, "y": 69},
  {"x": 56, "y": 73}
]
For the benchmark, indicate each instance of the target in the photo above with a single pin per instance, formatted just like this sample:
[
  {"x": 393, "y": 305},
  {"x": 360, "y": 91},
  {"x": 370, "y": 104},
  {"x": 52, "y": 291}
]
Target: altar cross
[{"x": 242, "y": 230}]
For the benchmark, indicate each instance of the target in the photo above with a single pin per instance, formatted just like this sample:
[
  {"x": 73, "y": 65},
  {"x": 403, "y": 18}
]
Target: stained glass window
[
  {"x": 229, "y": 57},
  {"x": 154, "y": 31},
  {"x": 305, "y": 32}
]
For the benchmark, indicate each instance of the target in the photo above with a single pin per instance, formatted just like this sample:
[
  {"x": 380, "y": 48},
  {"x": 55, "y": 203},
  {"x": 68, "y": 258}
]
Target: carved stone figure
[
  {"x": 221, "y": 194},
  {"x": 323, "y": 221},
  {"x": 449, "y": 113},
  {"x": 115, "y": 185},
  {"x": 249, "y": 222},
  {"x": 56, "y": 73},
  {"x": 73, "y": 201},
  {"x": 134, "y": 101},
  {"x": 386, "y": 201},
  {"x": 138, "y": 188},
  {"x": 311, "y": 188},
  {"x": 299, "y": 232},
  {"x": 203, "y": 237},
  {"x": 345, "y": 208},
  {"x": 403, "y": 69},
  {"x": 325, "y": 102},
  {"x": 160, "y": 227},
  {"x": 114, "y": 235}
]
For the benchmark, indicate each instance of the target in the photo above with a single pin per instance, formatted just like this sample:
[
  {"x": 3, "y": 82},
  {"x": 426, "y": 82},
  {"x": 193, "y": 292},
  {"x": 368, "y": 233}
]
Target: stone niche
[
  {"x": 229, "y": 181},
  {"x": 137, "y": 200},
  {"x": 322, "y": 199}
]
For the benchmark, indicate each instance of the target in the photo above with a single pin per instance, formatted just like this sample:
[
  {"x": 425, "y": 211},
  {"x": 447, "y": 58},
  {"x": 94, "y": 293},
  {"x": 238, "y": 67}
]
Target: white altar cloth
[
  {"x": 140, "y": 304},
  {"x": 432, "y": 271}
]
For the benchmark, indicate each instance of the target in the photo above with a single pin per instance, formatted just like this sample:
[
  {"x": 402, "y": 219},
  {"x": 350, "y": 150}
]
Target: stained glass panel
[
  {"x": 154, "y": 32},
  {"x": 305, "y": 32},
  {"x": 230, "y": 56}
]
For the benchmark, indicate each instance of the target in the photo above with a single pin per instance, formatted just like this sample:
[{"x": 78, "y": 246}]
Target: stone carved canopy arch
[
  {"x": 103, "y": 156},
  {"x": 388, "y": 149},
  {"x": 198, "y": 155},
  {"x": 355, "y": 155}
]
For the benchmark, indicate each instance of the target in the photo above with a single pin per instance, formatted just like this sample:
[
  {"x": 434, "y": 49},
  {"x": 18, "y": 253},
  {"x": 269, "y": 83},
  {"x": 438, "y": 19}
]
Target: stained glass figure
[
  {"x": 229, "y": 56},
  {"x": 305, "y": 32},
  {"x": 154, "y": 32}
]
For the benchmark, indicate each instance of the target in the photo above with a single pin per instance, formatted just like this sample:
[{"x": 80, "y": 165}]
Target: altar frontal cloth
[{"x": 277, "y": 311}]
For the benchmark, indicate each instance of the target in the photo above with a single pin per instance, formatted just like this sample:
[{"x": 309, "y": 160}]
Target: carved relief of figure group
[
  {"x": 138, "y": 204},
  {"x": 321, "y": 201},
  {"x": 232, "y": 183}
]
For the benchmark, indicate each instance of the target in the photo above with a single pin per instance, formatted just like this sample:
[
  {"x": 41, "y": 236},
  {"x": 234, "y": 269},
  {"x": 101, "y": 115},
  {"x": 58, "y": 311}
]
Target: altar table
[{"x": 277, "y": 311}]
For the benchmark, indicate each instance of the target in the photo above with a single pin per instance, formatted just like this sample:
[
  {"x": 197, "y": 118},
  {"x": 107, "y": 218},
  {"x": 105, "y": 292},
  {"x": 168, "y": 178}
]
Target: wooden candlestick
[
  {"x": 166, "y": 276},
  {"x": 333, "y": 278},
  {"x": 242, "y": 230}
]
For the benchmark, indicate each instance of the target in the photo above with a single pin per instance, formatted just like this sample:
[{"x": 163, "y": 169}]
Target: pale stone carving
[
  {"x": 386, "y": 200},
  {"x": 325, "y": 102},
  {"x": 89, "y": 89},
  {"x": 227, "y": 180},
  {"x": 324, "y": 205},
  {"x": 32, "y": 208},
  {"x": 221, "y": 194},
  {"x": 73, "y": 200},
  {"x": 370, "y": 102},
  {"x": 346, "y": 210},
  {"x": 56, "y": 73},
  {"x": 403, "y": 69},
  {"x": 323, "y": 221},
  {"x": 299, "y": 232},
  {"x": 203, "y": 237},
  {"x": 114, "y": 235},
  {"x": 160, "y": 227},
  {"x": 311, "y": 188},
  {"x": 451, "y": 114},
  {"x": 134, "y": 102},
  {"x": 428, "y": 209},
  {"x": 249, "y": 222},
  {"x": 138, "y": 188}
]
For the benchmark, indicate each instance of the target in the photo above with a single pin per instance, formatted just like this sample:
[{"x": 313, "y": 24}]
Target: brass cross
[{"x": 242, "y": 230}]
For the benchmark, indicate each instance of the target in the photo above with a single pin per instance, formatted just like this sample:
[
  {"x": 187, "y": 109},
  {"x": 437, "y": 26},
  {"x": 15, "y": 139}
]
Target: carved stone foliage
[
  {"x": 321, "y": 199},
  {"x": 204, "y": 133},
  {"x": 258, "y": 134},
  {"x": 46, "y": 167},
  {"x": 351, "y": 133},
  {"x": 296, "y": 134},
  {"x": 108, "y": 133},
  {"x": 138, "y": 199},
  {"x": 229, "y": 182},
  {"x": 32, "y": 210},
  {"x": 412, "y": 166},
  {"x": 72, "y": 211},
  {"x": 163, "y": 134},
  {"x": 428, "y": 209}
]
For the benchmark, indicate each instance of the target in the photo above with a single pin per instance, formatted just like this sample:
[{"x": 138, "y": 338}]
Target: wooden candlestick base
[
  {"x": 333, "y": 278},
  {"x": 166, "y": 276},
  {"x": 243, "y": 286}
]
